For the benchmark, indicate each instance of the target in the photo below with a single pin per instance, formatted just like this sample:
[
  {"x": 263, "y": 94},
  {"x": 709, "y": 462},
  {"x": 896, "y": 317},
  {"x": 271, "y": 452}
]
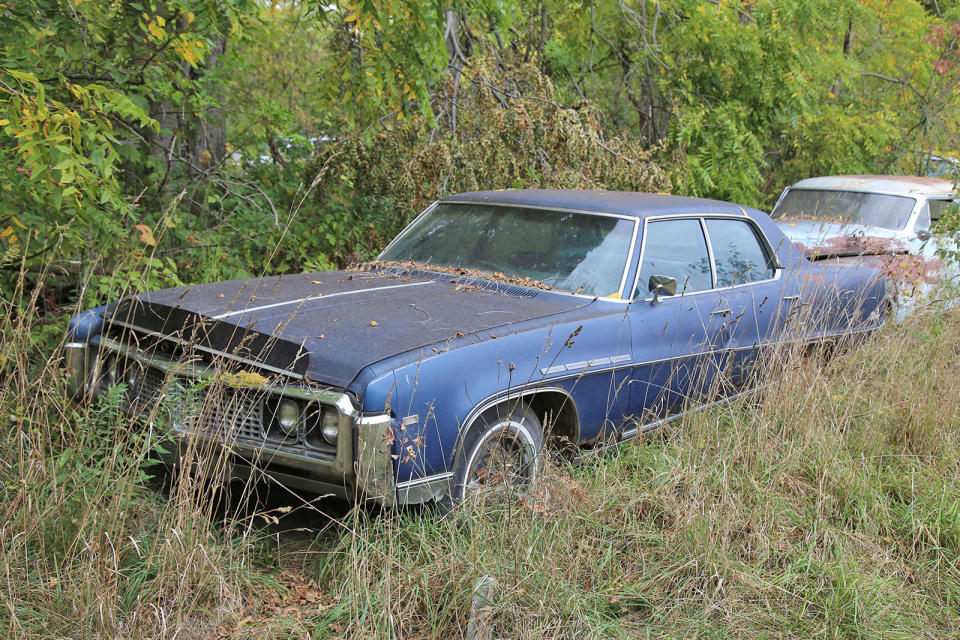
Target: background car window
[
  {"x": 846, "y": 207},
  {"x": 675, "y": 248},
  {"x": 738, "y": 253},
  {"x": 937, "y": 209}
]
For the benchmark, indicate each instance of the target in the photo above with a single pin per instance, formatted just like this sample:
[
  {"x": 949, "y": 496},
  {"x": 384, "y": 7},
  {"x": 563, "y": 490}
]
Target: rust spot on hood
[
  {"x": 853, "y": 245},
  {"x": 903, "y": 270}
]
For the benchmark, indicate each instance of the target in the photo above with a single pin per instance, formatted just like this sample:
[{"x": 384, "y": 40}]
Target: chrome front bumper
[{"x": 364, "y": 474}]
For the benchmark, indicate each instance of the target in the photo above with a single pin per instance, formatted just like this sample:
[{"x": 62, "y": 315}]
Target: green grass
[{"x": 828, "y": 506}]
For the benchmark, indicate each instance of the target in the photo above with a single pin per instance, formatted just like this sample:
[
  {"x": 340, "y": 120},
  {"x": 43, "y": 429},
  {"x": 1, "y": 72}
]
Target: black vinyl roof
[{"x": 626, "y": 203}]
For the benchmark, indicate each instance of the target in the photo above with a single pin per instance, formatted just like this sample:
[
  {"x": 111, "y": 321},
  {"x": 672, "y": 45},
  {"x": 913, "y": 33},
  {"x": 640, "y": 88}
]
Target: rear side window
[
  {"x": 738, "y": 253},
  {"x": 675, "y": 248},
  {"x": 933, "y": 211}
]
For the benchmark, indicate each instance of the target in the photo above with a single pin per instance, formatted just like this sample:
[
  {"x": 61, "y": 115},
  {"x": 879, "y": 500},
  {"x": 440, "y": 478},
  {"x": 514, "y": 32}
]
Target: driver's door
[{"x": 677, "y": 340}]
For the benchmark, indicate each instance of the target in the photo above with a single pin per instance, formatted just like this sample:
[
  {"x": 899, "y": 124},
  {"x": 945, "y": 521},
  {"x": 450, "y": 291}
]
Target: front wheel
[{"x": 501, "y": 454}]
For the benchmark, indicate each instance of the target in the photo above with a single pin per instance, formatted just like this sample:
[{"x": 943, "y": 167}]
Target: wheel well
[{"x": 558, "y": 415}]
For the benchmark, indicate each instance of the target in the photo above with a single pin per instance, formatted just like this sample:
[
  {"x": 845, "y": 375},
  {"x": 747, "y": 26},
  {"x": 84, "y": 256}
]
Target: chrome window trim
[
  {"x": 605, "y": 214},
  {"x": 407, "y": 228},
  {"x": 703, "y": 217},
  {"x": 713, "y": 260}
]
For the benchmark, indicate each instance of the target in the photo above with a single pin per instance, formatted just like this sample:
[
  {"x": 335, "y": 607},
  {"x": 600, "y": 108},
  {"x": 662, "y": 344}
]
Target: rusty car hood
[
  {"x": 820, "y": 239},
  {"x": 328, "y": 326}
]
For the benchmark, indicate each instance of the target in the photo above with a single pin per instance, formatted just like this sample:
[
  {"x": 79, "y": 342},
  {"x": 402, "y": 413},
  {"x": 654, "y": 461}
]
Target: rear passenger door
[
  {"x": 748, "y": 280},
  {"x": 675, "y": 338}
]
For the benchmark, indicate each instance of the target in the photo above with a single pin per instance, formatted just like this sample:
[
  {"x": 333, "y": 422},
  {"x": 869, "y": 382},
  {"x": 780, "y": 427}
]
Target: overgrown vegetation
[{"x": 828, "y": 505}]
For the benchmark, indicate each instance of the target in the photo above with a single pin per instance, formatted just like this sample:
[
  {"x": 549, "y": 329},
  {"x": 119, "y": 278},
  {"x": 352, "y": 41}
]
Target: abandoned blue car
[{"x": 496, "y": 326}]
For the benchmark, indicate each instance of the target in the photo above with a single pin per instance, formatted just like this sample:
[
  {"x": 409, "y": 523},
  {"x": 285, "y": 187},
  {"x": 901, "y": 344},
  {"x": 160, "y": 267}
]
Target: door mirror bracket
[{"x": 661, "y": 285}]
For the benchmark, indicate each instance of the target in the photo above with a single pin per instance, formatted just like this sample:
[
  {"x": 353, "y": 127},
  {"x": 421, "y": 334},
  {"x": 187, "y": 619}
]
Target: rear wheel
[{"x": 500, "y": 456}]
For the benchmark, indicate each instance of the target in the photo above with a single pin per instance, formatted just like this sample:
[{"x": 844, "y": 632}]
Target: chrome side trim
[
  {"x": 583, "y": 365},
  {"x": 423, "y": 489},
  {"x": 650, "y": 427},
  {"x": 701, "y": 354},
  {"x": 424, "y": 480}
]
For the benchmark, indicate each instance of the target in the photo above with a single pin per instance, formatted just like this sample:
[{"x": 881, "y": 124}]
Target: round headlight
[
  {"x": 288, "y": 413},
  {"x": 330, "y": 428}
]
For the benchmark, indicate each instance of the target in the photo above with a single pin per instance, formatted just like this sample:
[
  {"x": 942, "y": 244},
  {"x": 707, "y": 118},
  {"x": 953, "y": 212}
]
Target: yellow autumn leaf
[
  {"x": 4, "y": 121},
  {"x": 156, "y": 31},
  {"x": 6, "y": 232},
  {"x": 146, "y": 235},
  {"x": 17, "y": 222},
  {"x": 373, "y": 323},
  {"x": 161, "y": 21},
  {"x": 190, "y": 17}
]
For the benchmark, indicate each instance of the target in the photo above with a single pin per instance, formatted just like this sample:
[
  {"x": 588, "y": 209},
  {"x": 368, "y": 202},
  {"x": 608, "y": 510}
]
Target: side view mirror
[
  {"x": 923, "y": 235},
  {"x": 662, "y": 285}
]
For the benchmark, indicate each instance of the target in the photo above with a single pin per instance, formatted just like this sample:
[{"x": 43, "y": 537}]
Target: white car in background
[{"x": 887, "y": 222}]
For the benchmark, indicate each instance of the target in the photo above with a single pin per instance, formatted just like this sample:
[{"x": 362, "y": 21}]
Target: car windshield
[
  {"x": 575, "y": 252},
  {"x": 847, "y": 207}
]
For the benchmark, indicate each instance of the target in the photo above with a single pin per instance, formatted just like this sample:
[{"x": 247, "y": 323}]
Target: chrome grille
[
  {"x": 227, "y": 414},
  {"x": 147, "y": 387}
]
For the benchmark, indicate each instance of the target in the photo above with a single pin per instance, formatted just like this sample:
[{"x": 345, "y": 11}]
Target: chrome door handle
[{"x": 721, "y": 312}]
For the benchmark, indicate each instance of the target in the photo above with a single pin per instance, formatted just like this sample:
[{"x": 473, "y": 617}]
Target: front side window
[
  {"x": 738, "y": 253},
  {"x": 677, "y": 249},
  {"x": 846, "y": 207},
  {"x": 570, "y": 251}
]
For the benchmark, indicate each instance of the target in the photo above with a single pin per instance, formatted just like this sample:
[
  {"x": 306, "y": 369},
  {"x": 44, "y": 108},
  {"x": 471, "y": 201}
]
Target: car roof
[
  {"x": 907, "y": 185},
  {"x": 624, "y": 203}
]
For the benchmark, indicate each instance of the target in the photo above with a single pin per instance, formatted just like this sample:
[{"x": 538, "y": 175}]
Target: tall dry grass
[{"x": 827, "y": 505}]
